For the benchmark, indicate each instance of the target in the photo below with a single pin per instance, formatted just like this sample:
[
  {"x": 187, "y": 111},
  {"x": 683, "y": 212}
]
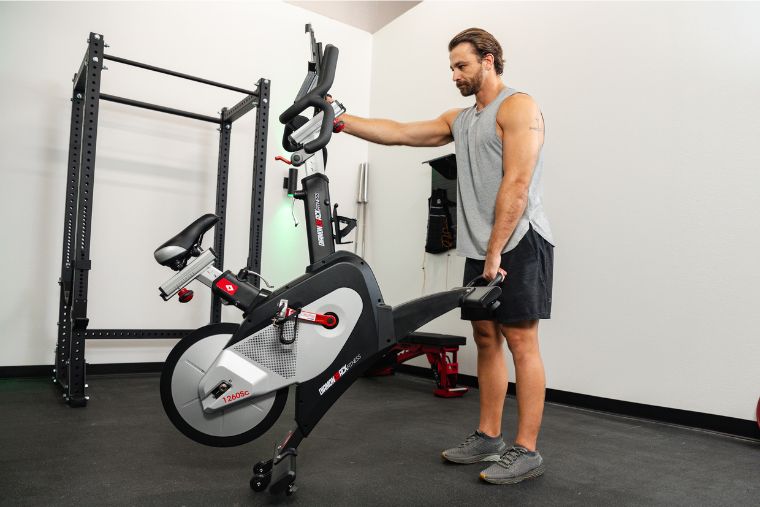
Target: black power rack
[{"x": 70, "y": 367}]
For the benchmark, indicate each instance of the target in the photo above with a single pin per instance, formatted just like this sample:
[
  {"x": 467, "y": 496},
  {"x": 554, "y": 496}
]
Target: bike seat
[{"x": 175, "y": 252}]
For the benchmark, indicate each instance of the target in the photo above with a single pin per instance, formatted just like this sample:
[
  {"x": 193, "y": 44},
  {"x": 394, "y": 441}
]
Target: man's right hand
[{"x": 492, "y": 266}]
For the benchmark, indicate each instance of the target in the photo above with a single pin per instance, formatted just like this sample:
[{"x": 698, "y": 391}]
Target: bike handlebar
[
  {"x": 316, "y": 98},
  {"x": 478, "y": 281}
]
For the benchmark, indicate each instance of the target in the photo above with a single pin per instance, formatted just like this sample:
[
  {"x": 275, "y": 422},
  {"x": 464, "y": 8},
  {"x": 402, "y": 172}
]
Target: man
[{"x": 501, "y": 228}]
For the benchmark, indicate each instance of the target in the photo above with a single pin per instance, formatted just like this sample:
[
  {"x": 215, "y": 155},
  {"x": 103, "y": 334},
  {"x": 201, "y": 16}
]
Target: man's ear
[{"x": 488, "y": 58}]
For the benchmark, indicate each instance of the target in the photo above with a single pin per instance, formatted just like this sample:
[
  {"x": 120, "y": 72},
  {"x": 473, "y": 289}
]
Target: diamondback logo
[
  {"x": 318, "y": 220},
  {"x": 227, "y": 286},
  {"x": 338, "y": 375}
]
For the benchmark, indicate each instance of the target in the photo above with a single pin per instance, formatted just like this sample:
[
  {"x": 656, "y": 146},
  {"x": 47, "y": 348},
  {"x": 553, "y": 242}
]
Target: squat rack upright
[{"x": 69, "y": 364}]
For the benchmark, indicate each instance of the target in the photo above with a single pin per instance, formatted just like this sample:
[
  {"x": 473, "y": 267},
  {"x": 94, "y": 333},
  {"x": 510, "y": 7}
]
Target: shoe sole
[
  {"x": 472, "y": 459},
  {"x": 536, "y": 472}
]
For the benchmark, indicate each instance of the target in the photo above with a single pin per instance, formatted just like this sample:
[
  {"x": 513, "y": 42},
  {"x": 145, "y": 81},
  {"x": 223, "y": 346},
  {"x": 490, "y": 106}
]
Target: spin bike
[{"x": 226, "y": 384}]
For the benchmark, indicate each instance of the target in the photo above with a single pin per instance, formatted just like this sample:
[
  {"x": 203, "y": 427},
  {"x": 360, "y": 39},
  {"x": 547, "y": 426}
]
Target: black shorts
[{"x": 526, "y": 293}]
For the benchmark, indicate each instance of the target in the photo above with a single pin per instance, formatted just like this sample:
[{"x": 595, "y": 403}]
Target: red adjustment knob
[
  {"x": 185, "y": 295},
  {"x": 283, "y": 159},
  {"x": 338, "y": 126}
]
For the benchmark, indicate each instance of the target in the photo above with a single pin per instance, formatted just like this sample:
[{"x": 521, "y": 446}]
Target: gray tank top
[{"x": 479, "y": 174}]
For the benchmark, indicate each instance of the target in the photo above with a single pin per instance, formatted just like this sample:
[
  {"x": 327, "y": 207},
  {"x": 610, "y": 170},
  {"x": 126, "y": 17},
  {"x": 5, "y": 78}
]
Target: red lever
[
  {"x": 338, "y": 126},
  {"x": 328, "y": 320},
  {"x": 283, "y": 159},
  {"x": 185, "y": 295}
]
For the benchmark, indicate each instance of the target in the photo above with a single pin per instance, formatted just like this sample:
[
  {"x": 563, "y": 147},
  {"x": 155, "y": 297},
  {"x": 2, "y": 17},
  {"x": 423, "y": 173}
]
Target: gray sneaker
[
  {"x": 515, "y": 465},
  {"x": 476, "y": 447}
]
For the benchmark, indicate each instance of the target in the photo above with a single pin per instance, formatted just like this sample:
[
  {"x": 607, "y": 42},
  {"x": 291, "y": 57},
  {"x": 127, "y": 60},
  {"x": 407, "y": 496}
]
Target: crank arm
[{"x": 328, "y": 320}]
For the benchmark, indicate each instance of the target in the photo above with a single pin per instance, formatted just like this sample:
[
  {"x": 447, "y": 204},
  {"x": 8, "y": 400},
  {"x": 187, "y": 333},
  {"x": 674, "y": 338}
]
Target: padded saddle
[{"x": 175, "y": 252}]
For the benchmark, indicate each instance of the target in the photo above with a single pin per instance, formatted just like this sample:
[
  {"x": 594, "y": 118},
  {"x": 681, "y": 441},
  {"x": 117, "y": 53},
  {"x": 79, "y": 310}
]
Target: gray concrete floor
[{"x": 379, "y": 445}]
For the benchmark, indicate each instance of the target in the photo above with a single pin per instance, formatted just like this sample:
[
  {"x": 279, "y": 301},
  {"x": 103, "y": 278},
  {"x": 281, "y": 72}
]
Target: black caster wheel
[
  {"x": 292, "y": 488},
  {"x": 259, "y": 482},
  {"x": 263, "y": 467}
]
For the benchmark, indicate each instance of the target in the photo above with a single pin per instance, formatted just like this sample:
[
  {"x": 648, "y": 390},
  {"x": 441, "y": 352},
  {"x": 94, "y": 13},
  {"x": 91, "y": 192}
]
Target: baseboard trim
[
  {"x": 722, "y": 424},
  {"x": 118, "y": 368},
  {"x": 46, "y": 370}
]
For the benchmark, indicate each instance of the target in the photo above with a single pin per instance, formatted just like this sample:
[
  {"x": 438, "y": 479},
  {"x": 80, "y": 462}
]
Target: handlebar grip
[
  {"x": 327, "y": 73},
  {"x": 496, "y": 281},
  {"x": 326, "y": 78}
]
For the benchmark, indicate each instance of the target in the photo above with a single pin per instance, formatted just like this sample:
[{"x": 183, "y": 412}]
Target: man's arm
[
  {"x": 522, "y": 129},
  {"x": 435, "y": 132}
]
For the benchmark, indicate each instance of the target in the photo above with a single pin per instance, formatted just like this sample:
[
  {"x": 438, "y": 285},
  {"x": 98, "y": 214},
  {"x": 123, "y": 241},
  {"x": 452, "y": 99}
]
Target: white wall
[
  {"x": 651, "y": 174},
  {"x": 652, "y": 114},
  {"x": 155, "y": 173}
]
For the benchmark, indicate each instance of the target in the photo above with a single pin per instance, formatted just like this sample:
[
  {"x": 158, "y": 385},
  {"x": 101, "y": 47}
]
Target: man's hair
[{"x": 483, "y": 43}]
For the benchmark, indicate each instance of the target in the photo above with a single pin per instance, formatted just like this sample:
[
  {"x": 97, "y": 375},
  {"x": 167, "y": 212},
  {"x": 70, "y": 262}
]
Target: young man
[{"x": 501, "y": 227}]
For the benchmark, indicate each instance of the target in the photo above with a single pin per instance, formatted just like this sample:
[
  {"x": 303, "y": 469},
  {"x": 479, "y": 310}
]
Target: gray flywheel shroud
[{"x": 186, "y": 365}]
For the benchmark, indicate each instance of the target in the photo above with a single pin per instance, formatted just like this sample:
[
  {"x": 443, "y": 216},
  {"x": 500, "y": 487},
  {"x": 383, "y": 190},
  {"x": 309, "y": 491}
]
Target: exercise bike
[{"x": 226, "y": 384}]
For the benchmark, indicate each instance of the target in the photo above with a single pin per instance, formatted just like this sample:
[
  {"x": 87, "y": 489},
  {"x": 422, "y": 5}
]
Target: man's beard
[{"x": 467, "y": 88}]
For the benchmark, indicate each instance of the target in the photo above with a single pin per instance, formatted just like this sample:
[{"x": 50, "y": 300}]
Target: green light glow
[{"x": 284, "y": 250}]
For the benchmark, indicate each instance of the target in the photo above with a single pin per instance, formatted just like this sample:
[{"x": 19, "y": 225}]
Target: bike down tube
[{"x": 414, "y": 314}]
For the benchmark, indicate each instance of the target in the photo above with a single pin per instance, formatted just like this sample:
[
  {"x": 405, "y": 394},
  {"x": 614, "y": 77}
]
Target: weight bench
[{"x": 441, "y": 351}]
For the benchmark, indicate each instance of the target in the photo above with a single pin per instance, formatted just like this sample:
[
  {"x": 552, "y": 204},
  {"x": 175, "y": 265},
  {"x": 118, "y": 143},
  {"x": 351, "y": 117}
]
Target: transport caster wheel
[
  {"x": 291, "y": 490},
  {"x": 260, "y": 482},
  {"x": 263, "y": 467}
]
